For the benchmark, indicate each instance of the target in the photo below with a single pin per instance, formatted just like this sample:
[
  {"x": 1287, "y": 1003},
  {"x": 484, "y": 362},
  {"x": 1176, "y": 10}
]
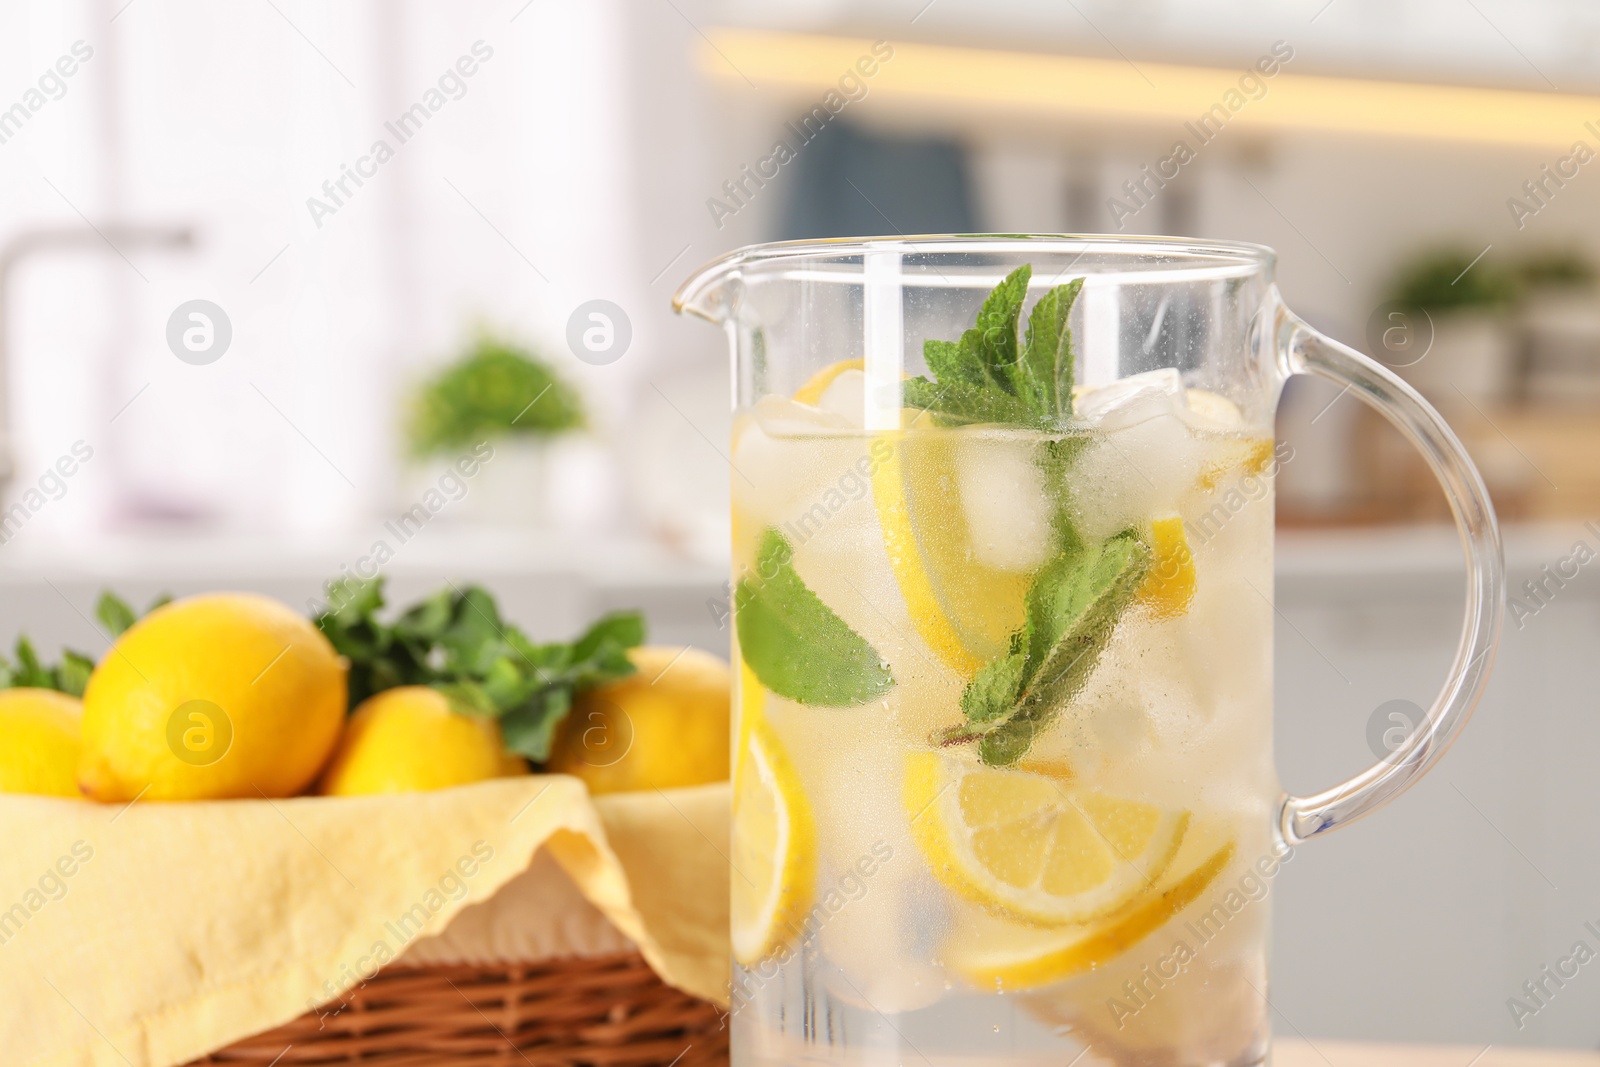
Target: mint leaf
[
  {"x": 987, "y": 377},
  {"x": 1047, "y": 358},
  {"x": 476, "y": 635},
  {"x": 995, "y": 335},
  {"x": 623, "y": 629},
  {"x": 381, "y": 656},
  {"x": 951, "y": 364},
  {"x": 528, "y": 730},
  {"x": 1072, "y": 609},
  {"x": 425, "y": 621},
  {"x": 958, "y": 402},
  {"x": 992, "y": 693},
  {"x": 117, "y": 616},
  {"x": 795, "y": 644},
  {"x": 457, "y": 642},
  {"x": 1006, "y": 746},
  {"x": 114, "y": 613},
  {"x": 469, "y": 698},
  {"x": 29, "y": 671},
  {"x": 506, "y": 683},
  {"x": 72, "y": 677}
]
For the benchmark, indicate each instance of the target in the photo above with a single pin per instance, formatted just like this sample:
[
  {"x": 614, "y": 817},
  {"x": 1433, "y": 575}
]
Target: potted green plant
[
  {"x": 480, "y": 431},
  {"x": 1468, "y": 300}
]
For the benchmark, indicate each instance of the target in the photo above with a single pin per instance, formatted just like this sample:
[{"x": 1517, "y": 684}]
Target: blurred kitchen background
[{"x": 550, "y": 170}]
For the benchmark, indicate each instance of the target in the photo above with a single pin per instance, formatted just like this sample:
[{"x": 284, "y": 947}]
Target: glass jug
[{"x": 1004, "y": 788}]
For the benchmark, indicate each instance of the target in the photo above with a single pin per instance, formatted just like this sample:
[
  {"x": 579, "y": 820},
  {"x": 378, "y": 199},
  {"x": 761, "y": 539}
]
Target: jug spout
[{"x": 712, "y": 292}]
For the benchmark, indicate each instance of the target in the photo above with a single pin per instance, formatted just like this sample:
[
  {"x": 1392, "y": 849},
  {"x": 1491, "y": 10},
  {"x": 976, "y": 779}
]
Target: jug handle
[{"x": 1303, "y": 350}]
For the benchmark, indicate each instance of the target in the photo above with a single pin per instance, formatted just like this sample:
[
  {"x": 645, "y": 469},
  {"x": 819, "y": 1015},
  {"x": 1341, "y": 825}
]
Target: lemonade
[{"x": 1003, "y": 778}]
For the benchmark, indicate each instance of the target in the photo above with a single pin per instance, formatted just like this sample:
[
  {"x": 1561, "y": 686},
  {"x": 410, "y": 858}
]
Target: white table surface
[{"x": 1292, "y": 1052}]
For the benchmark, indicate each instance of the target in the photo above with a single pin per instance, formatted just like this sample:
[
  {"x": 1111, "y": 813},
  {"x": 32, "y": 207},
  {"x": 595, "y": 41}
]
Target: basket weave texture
[{"x": 600, "y": 1011}]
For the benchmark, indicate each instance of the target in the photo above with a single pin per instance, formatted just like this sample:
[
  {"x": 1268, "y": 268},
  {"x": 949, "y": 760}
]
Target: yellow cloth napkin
[{"x": 151, "y": 934}]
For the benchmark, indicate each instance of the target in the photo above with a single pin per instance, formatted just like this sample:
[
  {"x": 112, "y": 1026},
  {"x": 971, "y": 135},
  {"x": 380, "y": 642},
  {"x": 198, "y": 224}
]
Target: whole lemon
[
  {"x": 409, "y": 739},
  {"x": 221, "y": 695},
  {"x": 39, "y": 742},
  {"x": 663, "y": 726}
]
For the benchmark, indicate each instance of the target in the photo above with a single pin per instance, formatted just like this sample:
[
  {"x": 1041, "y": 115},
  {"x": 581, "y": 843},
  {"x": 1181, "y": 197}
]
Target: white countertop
[{"x": 1290, "y": 1052}]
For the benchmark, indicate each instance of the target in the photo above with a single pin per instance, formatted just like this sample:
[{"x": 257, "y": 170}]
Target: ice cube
[
  {"x": 1131, "y": 400},
  {"x": 884, "y": 944},
  {"x": 883, "y": 911},
  {"x": 1212, "y": 412},
  {"x": 1005, "y": 501},
  {"x": 1168, "y": 696},
  {"x": 846, "y": 397},
  {"x": 1135, "y": 472},
  {"x": 781, "y": 417},
  {"x": 877, "y": 913},
  {"x": 844, "y": 561},
  {"x": 788, "y": 460}
]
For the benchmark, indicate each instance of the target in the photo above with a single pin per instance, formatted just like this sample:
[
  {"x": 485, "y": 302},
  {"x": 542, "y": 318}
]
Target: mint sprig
[
  {"x": 25, "y": 670},
  {"x": 795, "y": 644},
  {"x": 1072, "y": 609},
  {"x": 988, "y": 376},
  {"x": 1077, "y": 598},
  {"x": 456, "y": 642}
]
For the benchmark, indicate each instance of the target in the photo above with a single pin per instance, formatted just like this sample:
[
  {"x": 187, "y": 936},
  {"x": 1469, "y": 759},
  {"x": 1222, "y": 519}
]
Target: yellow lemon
[
  {"x": 993, "y": 954},
  {"x": 1168, "y": 586},
  {"x": 222, "y": 695},
  {"x": 663, "y": 726},
  {"x": 1030, "y": 847},
  {"x": 39, "y": 742},
  {"x": 752, "y": 703},
  {"x": 1213, "y": 410},
  {"x": 774, "y": 850},
  {"x": 817, "y": 384},
  {"x": 964, "y": 609},
  {"x": 408, "y": 740},
  {"x": 1241, "y": 457}
]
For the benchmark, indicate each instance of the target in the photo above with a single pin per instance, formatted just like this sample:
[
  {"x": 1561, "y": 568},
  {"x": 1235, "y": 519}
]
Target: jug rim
[{"x": 1225, "y": 257}]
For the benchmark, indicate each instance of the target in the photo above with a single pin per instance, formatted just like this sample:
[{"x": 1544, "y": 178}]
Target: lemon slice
[
  {"x": 1031, "y": 847},
  {"x": 996, "y": 955},
  {"x": 1242, "y": 456},
  {"x": 752, "y": 705},
  {"x": 774, "y": 849},
  {"x": 1169, "y": 584},
  {"x": 1211, "y": 411},
  {"x": 965, "y": 611},
  {"x": 817, "y": 384}
]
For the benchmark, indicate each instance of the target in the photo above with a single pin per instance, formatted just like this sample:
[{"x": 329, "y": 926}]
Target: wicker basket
[{"x": 600, "y": 1011}]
